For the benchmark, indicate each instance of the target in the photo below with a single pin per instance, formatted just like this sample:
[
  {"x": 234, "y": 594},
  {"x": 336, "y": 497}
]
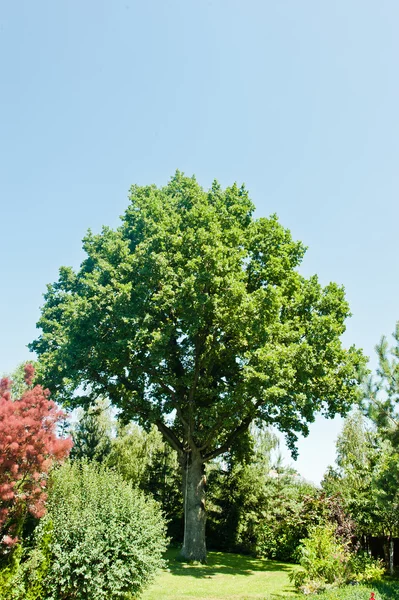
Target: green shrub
[
  {"x": 323, "y": 559},
  {"x": 100, "y": 539},
  {"x": 327, "y": 563},
  {"x": 30, "y": 580},
  {"x": 278, "y": 540},
  {"x": 364, "y": 568},
  {"x": 9, "y": 568}
]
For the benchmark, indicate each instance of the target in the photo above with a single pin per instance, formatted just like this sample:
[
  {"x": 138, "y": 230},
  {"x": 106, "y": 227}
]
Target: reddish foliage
[
  {"x": 28, "y": 447},
  {"x": 29, "y": 374}
]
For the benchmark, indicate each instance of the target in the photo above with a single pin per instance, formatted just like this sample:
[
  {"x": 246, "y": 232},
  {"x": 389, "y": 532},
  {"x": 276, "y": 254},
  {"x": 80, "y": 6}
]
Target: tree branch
[
  {"x": 227, "y": 444},
  {"x": 168, "y": 433},
  {"x": 177, "y": 407},
  {"x": 212, "y": 432},
  {"x": 169, "y": 436},
  {"x": 378, "y": 404},
  {"x": 163, "y": 385}
]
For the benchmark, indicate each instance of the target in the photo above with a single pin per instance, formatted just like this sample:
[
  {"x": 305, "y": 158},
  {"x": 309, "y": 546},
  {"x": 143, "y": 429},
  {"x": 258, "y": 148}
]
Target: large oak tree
[{"x": 192, "y": 316}]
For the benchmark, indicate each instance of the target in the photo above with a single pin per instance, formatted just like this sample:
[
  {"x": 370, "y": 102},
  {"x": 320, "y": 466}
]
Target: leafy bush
[
  {"x": 364, "y": 568},
  {"x": 258, "y": 507},
  {"x": 9, "y": 568},
  {"x": 100, "y": 539},
  {"x": 327, "y": 562},
  {"x": 293, "y": 512},
  {"x": 324, "y": 560}
]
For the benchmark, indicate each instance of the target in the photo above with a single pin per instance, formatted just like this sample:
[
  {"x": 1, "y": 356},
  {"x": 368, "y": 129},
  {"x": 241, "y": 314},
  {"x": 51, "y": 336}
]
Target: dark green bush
[
  {"x": 100, "y": 539},
  {"x": 252, "y": 512}
]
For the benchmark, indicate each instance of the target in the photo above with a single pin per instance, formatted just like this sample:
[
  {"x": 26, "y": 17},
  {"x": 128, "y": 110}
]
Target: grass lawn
[
  {"x": 225, "y": 577},
  {"x": 384, "y": 590}
]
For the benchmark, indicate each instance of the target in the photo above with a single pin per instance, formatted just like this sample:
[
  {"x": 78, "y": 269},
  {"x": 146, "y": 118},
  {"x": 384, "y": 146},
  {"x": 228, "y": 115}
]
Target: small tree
[
  {"x": 238, "y": 491},
  {"x": 385, "y": 493},
  {"x": 192, "y": 316},
  {"x": 92, "y": 434},
  {"x": 382, "y": 406},
  {"x": 352, "y": 478},
  {"x": 381, "y": 391},
  {"x": 28, "y": 447},
  {"x": 367, "y": 479}
]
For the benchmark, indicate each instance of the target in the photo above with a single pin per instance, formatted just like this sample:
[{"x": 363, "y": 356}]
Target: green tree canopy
[{"x": 192, "y": 315}]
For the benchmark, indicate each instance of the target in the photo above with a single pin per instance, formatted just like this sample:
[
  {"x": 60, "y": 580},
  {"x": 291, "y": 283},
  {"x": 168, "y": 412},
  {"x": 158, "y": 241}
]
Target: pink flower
[{"x": 9, "y": 541}]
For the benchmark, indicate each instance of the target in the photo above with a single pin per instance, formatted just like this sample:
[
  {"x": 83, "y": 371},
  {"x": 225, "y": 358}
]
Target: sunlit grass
[
  {"x": 226, "y": 576},
  {"x": 384, "y": 590}
]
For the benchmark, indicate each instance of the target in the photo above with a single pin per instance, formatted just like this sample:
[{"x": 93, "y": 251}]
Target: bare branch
[{"x": 169, "y": 436}]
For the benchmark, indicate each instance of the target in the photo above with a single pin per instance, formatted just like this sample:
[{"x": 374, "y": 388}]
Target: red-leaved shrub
[{"x": 28, "y": 447}]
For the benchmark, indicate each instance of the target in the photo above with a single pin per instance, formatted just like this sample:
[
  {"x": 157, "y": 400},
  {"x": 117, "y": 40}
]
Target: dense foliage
[
  {"x": 100, "y": 539},
  {"x": 383, "y": 590},
  {"x": 327, "y": 561},
  {"x": 192, "y": 294},
  {"x": 257, "y": 506},
  {"x": 147, "y": 462},
  {"x": 382, "y": 406},
  {"x": 28, "y": 447},
  {"x": 367, "y": 470},
  {"x": 382, "y": 391},
  {"x": 92, "y": 434}
]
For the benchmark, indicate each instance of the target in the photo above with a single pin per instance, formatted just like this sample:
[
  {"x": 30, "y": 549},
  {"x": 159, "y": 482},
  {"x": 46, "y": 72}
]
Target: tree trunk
[
  {"x": 389, "y": 546},
  {"x": 391, "y": 555},
  {"x": 385, "y": 546},
  {"x": 194, "y": 545}
]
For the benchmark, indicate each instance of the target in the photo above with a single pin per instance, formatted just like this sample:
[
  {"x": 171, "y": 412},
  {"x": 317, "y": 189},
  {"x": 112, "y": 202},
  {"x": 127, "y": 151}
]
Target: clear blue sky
[{"x": 298, "y": 99}]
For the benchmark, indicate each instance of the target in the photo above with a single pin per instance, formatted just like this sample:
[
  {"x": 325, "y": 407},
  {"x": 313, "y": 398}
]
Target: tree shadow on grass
[{"x": 222, "y": 563}]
